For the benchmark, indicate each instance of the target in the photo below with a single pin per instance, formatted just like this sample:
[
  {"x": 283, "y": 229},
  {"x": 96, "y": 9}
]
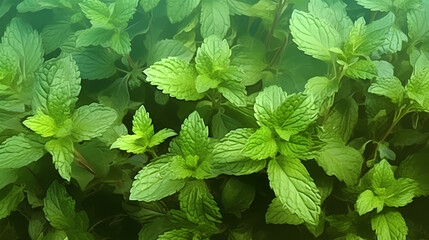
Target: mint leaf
[
  {"x": 376, "y": 5},
  {"x": 153, "y": 182},
  {"x": 214, "y": 18},
  {"x": 313, "y": 35},
  {"x": 174, "y": 77},
  {"x": 228, "y": 157},
  {"x": 342, "y": 161},
  {"x": 59, "y": 207},
  {"x": 169, "y": 48},
  {"x": 213, "y": 56},
  {"x": 95, "y": 62},
  {"x": 389, "y": 226},
  {"x": 91, "y": 121},
  {"x": 177, "y": 234},
  {"x": 295, "y": 188},
  {"x": 120, "y": 42},
  {"x": 142, "y": 123},
  {"x": 415, "y": 167},
  {"x": 261, "y": 145},
  {"x": 96, "y": 11},
  {"x": 161, "y": 136},
  {"x": 367, "y": 201},
  {"x": 198, "y": 203},
  {"x": 10, "y": 197},
  {"x": 418, "y": 86},
  {"x": 149, "y": 4},
  {"x": 42, "y": 124},
  {"x": 177, "y": 10},
  {"x": 267, "y": 102},
  {"x": 62, "y": 151},
  {"x": 131, "y": 143},
  {"x": 234, "y": 92},
  {"x": 277, "y": 214},
  {"x": 389, "y": 87},
  {"x": 362, "y": 69},
  {"x": 20, "y": 150}
]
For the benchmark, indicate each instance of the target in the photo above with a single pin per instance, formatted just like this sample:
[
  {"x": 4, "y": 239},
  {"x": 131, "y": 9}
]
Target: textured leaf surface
[
  {"x": 390, "y": 226},
  {"x": 19, "y": 151}
]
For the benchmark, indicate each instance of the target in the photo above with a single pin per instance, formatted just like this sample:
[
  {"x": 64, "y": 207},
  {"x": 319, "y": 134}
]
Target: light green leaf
[
  {"x": 193, "y": 139},
  {"x": 417, "y": 19},
  {"x": 142, "y": 123},
  {"x": 400, "y": 193},
  {"x": 389, "y": 87},
  {"x": 20, "y": 150},
  {"x": 7, "y": 176},
  {"x": 62, "y": 151},
  {"x": 203, "y": 83},
  {"x": 131, "y": 143},
  {"x": 367, "y": 201},
  {"x": 161, "y": 136},
  {"x": 120, "y": 42},
  {"x": 267, "y": 102},
  {"x": 294, "y": 115},
  {"x": 177, "y": 234},
  {"x": 59, "y": 207},
  {"x": 417, "y": 88},
  {"x": 42, "y": 124},
  {"x": 10, "y": 197},
  {"x": 122, "y": 12},
  {"x": 277, "y": 214},
  {"x": 377, "y": 5},
  {"x": 96, "y": 11},
  {"x": 383, "y": 175},
  {"x": 26, "y": 45},
  {"x": 212, "y": 56},
  {"x": 174, "y": 77},
  {"x": 95, "y": 62},
  {"x": 94, "y": 36},
  {"x": 261, "y": 145},
  {"x": 169, "y": 48},
  {"x": 198, "y": 203},
  {"x": 321, "y": 88},
  {"x": 295, "y": 188},
  {"x": 298, "y": 146},
  {"x": 227, "y": 156},
  {"x": 362, "y": 69},
  {"x": 56, "y": 88},
  {"x": 91, "y": 121},
  {"x": 54, "y": 35},
  {"x": 234, "y": 92},
  {"x": 314, "y": 36},
  {"x": 177, "y": 10},
  {"x": 393, "y": 42},
  {"x": 153, "y": 182},
  {"x": 214, "y": 18},
  {"x": 149, "y": 4},
  {"x": 342, "y": 161},
  {"x": 389, "y": 226},
  {"x": 334, "y": 13}
]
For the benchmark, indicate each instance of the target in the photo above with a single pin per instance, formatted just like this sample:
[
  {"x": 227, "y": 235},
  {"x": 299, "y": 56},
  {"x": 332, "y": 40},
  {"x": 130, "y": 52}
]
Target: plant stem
[
  {"x": 130, "y": 60},
  {"x": 279, "y": 9}
]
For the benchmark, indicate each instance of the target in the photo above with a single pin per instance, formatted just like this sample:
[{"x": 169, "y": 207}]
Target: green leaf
[
  {"x": 294, "y": 115},
  {"x": 193, "y": 139},
  {"x": 314, "y": 36},
  {"x": 295, "y": 188},
  {"x": 214, "y": 18},
  {"x": 237, "y": 196},
  {"x": 267, "y": 102},
  {"x": 177, "y": 234},
  {"x": 393, "y": 42},
  {"x": 62, "y": 151},
  {"x": 42, "y": 124},
  {"x": 417, "y": 88},
  {"x": 277, "y": 214},
  {"x": 367, "y": 201},
  {"x": 91, "y": 121},
  {"x": 20, "y": 150},
  {"x": 418, "y": 30},
  {"x": 153, "y": 182},
  {"x": 177, "y": 10},
  {"x": 212, "y": 56},
  {"x": 203, "y": 83},
  {"x": 95, "y": 62},
  {"x": 120, "y": 42},
  {"x": 122, "y": 12},
  {"x": 131, "y": 143},
  {"x": 389, "y": 87},
  {"x": 174, "y": 77},
  {"x": 389, "y": 226},
  {"x": 377, "y": 5},
  {"x": 227, "y": 156},
  {"x": 10, "y": 197},
  {"x": 400, "y": 193},
  {"x": 383, "y": 175},
  {"x": 416, "y": 167},
  {"x": 54, "y": 35},
  {"x": 298, "y": 146},
  {"x": 321, "y": 88},
  {"x": 94, "y": 36},
  {"x": 26, "y": 45},
  {"x": 96, "y": 11},
  {"x": 56, "y": 88},
  {"x": 342, "y": 161},
  {"x": 142, "y": 123},
  {"x": 334, "y": 13},
  {"x": 161, "y": 136},
  {"x": 59, "y": 207},
  {"x": 7, "y": 176},
  {"x": 363, "y": 40},
  {"x": 169, "y": 48},
  {"x": 362, "y": 69},
  {"x": 149, "y": 4},
  {"x": 261, "y": 145},
  {"x": 198, "y": 203},
  {"x": 234, "y": 92}
]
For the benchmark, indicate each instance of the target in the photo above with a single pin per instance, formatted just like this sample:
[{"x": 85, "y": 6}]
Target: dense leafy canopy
[{"x": 214, "y": 119}]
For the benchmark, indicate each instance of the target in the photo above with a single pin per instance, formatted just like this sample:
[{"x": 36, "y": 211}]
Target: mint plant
[{"x": 214, "y": 119}]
